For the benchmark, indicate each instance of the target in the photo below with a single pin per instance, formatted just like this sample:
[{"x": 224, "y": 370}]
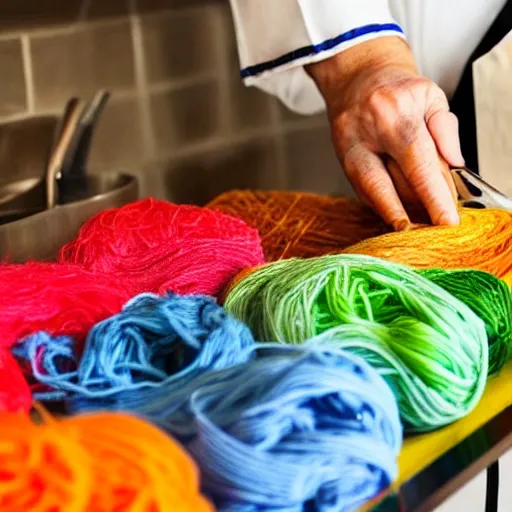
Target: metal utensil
[
  {"x": 29, "y": 196},
  {"x": 79, "y": 148},
  {"x": 66, "y": 162},
  {"x": 475, "y": 192}
]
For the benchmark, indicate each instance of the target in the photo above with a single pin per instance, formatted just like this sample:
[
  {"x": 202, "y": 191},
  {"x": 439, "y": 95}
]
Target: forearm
[
  {"x": 348, "y": 68},
  {"x": 276, "y": 39}
]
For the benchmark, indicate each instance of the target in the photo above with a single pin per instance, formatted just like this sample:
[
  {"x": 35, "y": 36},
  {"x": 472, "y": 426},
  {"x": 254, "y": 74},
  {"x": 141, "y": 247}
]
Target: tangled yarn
[
  {"x": 307, "y": 225},
  {"x": 290, "y": 430},
  {"x": 483, "y": 241},
  {"x": 56, "y": 298},
  {"x": 158, "y": 246},
  {"x": 154, "y": 340},
  {"x": 296, "y": 224},
  {"x": 292, "y": 427},
  {"x": 490, "y": 298},
  {"x": 15, "y": 394},
  {"x": 98, "y": 463},
  {"x": 429, "y": 346}
]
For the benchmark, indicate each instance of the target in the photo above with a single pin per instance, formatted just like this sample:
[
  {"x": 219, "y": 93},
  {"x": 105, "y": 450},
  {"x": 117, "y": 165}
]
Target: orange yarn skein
[
  {"x": 483, "y": 241},
  {"x": 95, "y": 463},
  {"x": 293, "y": 224},
  {"x": 302, "y": 225}
]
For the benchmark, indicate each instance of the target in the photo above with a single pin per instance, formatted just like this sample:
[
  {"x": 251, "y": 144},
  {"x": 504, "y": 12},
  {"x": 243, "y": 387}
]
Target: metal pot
[{"x": 29, "y": 230}]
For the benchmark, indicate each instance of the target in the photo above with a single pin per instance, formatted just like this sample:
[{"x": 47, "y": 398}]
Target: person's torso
[{"x": 444, "y": 33}]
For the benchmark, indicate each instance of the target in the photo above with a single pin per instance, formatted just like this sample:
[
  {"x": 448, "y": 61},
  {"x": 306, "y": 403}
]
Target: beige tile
[
  {"x": 118, "y": 143},
  {"x": 250, "y": 108},
  {"x": 12, "y": 83},
  {"x": 100, "y": 9},
  {"x": 185, "y": 116},
  {"x": 161, "y": 5},
  {"x": 24, "y": 147},
  {"x": 312, "y": 163},
  {"x": 289, "y": 117},
  {"x": 81, "y": 61},
  {"x": 28, "y": 14},
  {"x": 180, "y": 45},
  {"x": 201, "y": 177}
]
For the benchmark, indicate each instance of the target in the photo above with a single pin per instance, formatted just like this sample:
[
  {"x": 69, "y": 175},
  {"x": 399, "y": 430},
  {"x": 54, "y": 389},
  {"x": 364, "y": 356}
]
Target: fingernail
[
  {"x": 449, "y": 219},
  {"x": 401, "y": 224}
]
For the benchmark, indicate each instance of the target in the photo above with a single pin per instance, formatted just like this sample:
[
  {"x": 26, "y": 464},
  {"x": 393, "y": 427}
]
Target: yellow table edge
[{"x": 419, "y": 451}]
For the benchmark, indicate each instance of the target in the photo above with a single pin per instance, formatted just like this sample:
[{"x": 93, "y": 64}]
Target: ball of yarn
[
  {"x": 153, "y": 340},
  {"x": 97, "y": 463},
  {"x": 483, "y": 241},
  {"x": 429, "y": 346},
  {"x": 158, "y": 246},
  {"x": 490, "y": 298},
  {"x": 59, "y": 299},
  {"x": 15, "y": 394},
  {"x": 293, "y": 224},
  {"x": 296, "y": 428}
]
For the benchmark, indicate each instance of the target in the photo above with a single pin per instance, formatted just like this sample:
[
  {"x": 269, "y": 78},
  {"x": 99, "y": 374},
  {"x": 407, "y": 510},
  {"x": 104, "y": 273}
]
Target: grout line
[
  {"x": 141, "y": 81},
  {"x": 28, "y": 72},
  {"x": 304, "y": 124},
  {"x": 222, "y": 142},
  {"x": 84, "y": 11},
  {"x": 225, "y": 84},
  {"x": 219, "y": 142},
  {"x": 282, "y": 161},
  {"x": 173, "y": 13},
  {"x": 68, "y": 28},
  {"x": 181, "y": 83}
]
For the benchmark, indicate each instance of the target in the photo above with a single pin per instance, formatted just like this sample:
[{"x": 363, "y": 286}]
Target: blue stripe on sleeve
[{"x": 314, "y": 49}]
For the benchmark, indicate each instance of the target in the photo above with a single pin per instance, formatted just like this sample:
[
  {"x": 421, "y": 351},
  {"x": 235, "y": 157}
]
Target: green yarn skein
[
  {"x": 490, "y": 298},
  {"x": 429, "y": 346}
]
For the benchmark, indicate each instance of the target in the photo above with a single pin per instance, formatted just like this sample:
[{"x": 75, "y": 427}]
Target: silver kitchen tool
[{"x": 475, "y": 192}]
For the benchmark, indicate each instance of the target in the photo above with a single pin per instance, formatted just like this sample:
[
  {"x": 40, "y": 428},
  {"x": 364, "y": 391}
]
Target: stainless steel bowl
[{"x": 27, "y": 230}]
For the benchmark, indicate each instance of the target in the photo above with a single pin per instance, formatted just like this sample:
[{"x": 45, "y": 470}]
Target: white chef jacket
[{"x": 276, "y": 38}]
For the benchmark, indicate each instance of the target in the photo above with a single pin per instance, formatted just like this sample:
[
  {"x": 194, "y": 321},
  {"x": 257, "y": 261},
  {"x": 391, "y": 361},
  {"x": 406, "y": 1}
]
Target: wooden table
[{"x": 435, "y": 465}]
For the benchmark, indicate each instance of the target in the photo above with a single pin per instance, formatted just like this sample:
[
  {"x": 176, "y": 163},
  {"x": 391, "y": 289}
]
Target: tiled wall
[{"x": 180, "y": 117}]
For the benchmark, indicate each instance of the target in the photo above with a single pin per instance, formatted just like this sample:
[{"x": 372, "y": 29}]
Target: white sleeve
[{"x": 276, "y": 38}]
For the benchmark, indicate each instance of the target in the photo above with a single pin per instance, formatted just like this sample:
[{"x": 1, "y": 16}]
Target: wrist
[{"x": 343, "y": 69}]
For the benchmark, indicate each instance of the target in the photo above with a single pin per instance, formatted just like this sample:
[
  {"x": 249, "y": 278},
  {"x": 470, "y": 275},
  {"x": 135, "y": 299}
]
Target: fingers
[
  {"x": 415, "y": 151},
  {"x": 444, "y": 128},
  {"x": 372, "y": 183},
  {"x": 404, "y": 189}
]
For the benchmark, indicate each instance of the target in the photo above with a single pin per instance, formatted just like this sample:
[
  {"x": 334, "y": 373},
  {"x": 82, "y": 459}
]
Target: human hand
[{"x": 392, "y": 130}]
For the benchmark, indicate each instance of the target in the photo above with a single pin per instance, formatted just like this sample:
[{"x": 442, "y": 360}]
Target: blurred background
[{"x": 179, "y": 118}]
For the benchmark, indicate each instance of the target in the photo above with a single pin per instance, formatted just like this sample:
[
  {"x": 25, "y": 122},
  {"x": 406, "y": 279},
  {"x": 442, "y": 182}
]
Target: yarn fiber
[
  {"x": 482, "y": 241},
  {"x": 15, "y": 394},
  {"x": 490, "y": 298},
  {"x": 56, "y": 298},
  {"x": 154, "y": 340},
  {"x": 430, "y": 347},
  {"x": 292, "y": 427},
  {"x": 306, "y": 225},
  {"x": 292, "y": 430},
  {"x": 158, "y": 246},
  {"x": 297, "y": 224},
  {"x": 97, "y": 463}
]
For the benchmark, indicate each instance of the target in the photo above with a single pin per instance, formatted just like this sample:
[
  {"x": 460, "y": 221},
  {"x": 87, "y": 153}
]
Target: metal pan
[
  {"x": 30, "y": 226},
  {"x": 41, "y": 235}
]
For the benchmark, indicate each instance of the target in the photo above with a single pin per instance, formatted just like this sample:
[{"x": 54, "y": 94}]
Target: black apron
[{"x": 463, "y": 103}]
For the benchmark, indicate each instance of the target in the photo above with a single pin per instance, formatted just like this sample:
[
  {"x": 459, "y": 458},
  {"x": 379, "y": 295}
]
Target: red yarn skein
[
  {"x": 56, "y": 298},
  {"x": 15, "y": 393},
  {"x": 158, "y": 246}
]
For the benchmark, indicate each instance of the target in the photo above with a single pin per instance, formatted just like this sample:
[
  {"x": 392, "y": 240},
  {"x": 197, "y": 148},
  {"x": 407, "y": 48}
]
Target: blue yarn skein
[
  {"x": 293, "y": 429},
  {"x": 153, "y": 340}
]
